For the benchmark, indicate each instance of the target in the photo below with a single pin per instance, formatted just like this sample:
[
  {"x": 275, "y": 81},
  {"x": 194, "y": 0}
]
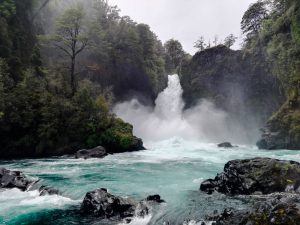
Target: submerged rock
[
  {"x": 258, "y": 175},
  {"x": 98, "y": 152},
  {"x": 104, "y": 205},
  {"x": 48, "y": 191},
  {"x": 154, "y": 198},
  {"x": 225, "y": 145},
  {"x": 15, "y": 179}
]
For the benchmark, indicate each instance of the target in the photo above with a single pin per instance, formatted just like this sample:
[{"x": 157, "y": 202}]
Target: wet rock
[
  {"x": 258, "y": 175},
  {"x": 48, "y": 191},
  {"x": 277, "y": 209},
  {"x": 225, "y": 145},
  {"x": 104, "y": 205},
  {"x": 15, "y": 179},
  {"x": 137, "y": 144},
  {"x": 98, "y": 152},
  {"x": 154, "y": 198},
  {"x": 273, "y": 140}
]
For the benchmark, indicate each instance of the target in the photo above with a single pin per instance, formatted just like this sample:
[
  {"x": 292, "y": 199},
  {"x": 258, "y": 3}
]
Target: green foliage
[
  {"x": 253, "y": 17},
  {"x": 7, "y": 8},
  {"x": 118, "y": 135},
  {"x": 230, "y": 40},
  {"x": 38, "y": 115},
  {"x": 174, "y": 55}
]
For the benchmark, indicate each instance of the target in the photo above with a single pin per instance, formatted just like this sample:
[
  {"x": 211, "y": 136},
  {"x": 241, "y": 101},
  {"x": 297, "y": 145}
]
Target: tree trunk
[{"x": 73, "y": 81}]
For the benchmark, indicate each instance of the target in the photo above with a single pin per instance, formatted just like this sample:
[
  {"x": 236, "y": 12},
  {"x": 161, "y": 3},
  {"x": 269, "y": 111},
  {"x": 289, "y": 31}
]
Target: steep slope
[{"x": 239, "y": 83}]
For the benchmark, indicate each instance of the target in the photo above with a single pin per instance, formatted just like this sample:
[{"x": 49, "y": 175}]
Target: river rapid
[{"x": 173, "y": 168}]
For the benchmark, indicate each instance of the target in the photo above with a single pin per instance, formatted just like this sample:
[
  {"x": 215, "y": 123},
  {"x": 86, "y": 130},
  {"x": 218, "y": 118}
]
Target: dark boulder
[
  {"x": 278, "y": 209},
  {"x": 154, "y": 198},
  {"x": 104, "y": 205},
  {"x": 98, "y": 152},
  {"x": 48, "y": 191},
  {"x": 137, "y": 144},
  {"x": 258, "y": 175},
  {"x": 15, "y": 179},
  {"x": 225, "y": 145}
]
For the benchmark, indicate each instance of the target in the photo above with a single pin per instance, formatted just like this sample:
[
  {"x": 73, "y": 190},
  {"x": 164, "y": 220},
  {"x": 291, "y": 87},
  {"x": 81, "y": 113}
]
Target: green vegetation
[
  {"x": 272, "y": 30},
  {"x": 50, "y": 104}
]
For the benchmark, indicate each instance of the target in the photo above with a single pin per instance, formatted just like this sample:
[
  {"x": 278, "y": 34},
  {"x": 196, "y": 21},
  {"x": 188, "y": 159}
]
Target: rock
[
  {"x": 278, "y": 209},
  {"x": 15, "y": 179},
  {"x": 154, "y": 198},
  {"x": 104, "y": 205},
  {"x": 272, "y": 140},
  {"x": 225, "y": 145},
  {"x": 137, "y": 144},
  {"x": 250, "y": 176},
  {"x": 98, "y": 152},
  {"x": 281, "y": 131},
  {"x": 48, "y": 191}
]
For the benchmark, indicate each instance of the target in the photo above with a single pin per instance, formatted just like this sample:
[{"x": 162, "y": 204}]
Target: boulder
[
  {"x": 98, "y": 152},
  {"x": 154, "y": 198},
  {"x": 15, "y": 179},
  {"x": 137, "y": 144},
  {"x": 104, "y": 205},
  {"x": 278, "y": 209},
  {"x": 48, "y": 191},
  {"x": 225, "y": 145},
  {"x": 258, "y": 175}
]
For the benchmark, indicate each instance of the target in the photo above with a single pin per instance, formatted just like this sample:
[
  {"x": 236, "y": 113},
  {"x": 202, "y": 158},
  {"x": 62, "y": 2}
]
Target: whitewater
[{"x": 179, "y": 156}]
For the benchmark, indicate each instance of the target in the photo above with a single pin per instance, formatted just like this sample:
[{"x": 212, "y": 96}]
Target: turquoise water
[{"x": 173, "y": 169}]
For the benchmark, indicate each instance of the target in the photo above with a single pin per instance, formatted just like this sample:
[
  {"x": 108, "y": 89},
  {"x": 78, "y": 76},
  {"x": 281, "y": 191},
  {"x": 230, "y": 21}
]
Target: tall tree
[
  {"x": 230, "y": 40},
  {"x": 253, "y": 17},
  {"x": 71, "y": 37},
  {"x": 174, "y": 54},
  {"x": 200, "y": 44}
]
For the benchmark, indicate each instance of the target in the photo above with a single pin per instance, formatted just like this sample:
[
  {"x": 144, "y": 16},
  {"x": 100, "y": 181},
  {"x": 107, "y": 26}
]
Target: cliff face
[
  {"x": 238, "y": 83},
  {"x": 282, "y": 131}
]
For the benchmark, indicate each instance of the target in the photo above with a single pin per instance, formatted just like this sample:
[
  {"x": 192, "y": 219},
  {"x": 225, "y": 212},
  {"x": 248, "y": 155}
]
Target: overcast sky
[{"x": 186, "y": 20}]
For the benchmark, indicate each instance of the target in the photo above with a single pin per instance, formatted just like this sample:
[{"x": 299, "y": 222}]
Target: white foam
[{"x": 139, "y": 220}]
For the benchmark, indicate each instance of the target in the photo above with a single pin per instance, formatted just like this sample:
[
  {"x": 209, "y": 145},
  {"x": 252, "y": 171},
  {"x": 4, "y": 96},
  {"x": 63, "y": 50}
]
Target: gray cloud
[{"x": 186, "y": 20}]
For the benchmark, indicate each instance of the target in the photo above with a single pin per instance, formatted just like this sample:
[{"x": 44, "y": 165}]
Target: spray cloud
[{"x": 204, "y": 122}]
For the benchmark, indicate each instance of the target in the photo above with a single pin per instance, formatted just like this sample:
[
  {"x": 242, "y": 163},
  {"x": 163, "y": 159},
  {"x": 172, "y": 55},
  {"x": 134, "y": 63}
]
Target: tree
[
  {"x": 174, "y": 54},
  {"x": 200, "y": 44},
  {"x": 7, "y": 8},
  {"x": 216, "y": 40},
  {"x": 253, "y": 17},
  {"x": 71, "y": 37},
  {"x": 230, "y": 40}
]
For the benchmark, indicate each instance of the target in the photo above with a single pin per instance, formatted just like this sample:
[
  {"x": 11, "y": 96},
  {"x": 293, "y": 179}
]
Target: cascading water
[
  {"x": 172, "y": 167},
  {"x": 203, "y": 122},
  {"x": 169, "y": 103}
]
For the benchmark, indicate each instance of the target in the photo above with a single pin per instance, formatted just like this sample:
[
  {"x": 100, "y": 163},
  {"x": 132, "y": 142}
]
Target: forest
[{"x": 61, "y": 76}]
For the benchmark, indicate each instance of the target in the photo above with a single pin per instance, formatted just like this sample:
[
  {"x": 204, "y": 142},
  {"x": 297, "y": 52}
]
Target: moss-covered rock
[{"x": 258, "y": 175}]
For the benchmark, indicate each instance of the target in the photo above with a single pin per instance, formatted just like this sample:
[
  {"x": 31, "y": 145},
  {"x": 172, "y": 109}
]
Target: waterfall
[
  {"x": 169, "y": 103},
  {"x": 203, "y": 122}
]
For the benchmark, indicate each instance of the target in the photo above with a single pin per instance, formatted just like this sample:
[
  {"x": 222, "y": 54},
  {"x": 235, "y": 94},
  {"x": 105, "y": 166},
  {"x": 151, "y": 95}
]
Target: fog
[
  {"x": 186, "y": 20},
  {"x": 204, "y": 122}
]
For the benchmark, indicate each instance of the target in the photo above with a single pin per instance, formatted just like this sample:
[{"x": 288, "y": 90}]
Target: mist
[{"x": 203, "y": 122}]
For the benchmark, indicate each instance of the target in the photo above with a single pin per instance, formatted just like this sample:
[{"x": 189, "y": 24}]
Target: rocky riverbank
[{"x": 272, "y": 187}]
